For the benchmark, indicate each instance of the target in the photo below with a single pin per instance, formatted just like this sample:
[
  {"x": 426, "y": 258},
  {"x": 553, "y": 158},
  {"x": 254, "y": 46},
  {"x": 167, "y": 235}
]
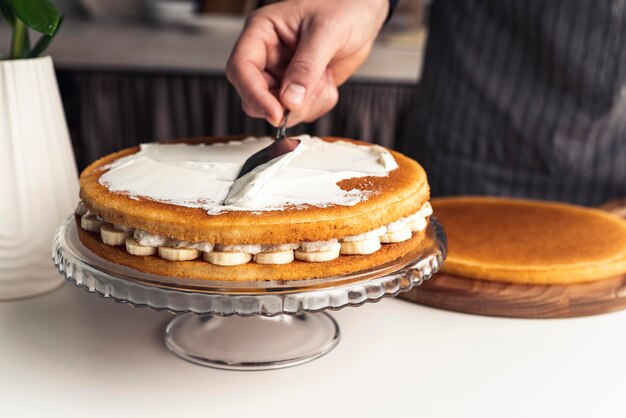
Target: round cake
[
  {"x": 331, "y": 207},
  {"x": 525, "y": 241}
]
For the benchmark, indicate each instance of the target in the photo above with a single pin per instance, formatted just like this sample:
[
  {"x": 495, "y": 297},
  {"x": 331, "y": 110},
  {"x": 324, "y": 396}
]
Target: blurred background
[{"x": 133, "y": 71}]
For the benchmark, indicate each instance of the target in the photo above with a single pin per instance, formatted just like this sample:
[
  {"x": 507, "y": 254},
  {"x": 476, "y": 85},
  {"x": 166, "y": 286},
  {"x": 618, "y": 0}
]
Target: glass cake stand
[{"x": 247, "y": 325}]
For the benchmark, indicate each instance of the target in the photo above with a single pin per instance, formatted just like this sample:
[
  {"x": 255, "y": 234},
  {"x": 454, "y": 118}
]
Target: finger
[
  {"x": 254, "y": 111},
  {"x": 311, "y": 57},
  {"x": 277, "y": 60},
  {"x": 324, "y": 102},
  {"x": 271, "y": 80},
  {"x": 346, "y": 66},
  {"x": 252, "y": 86},
  {"x": 251, "y": 110},
  {"x": 245, "y": 70},
  {"x": 321, "y": 101}
]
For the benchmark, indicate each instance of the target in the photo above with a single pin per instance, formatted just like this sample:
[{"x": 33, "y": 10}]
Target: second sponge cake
[{"x": 524, "y": 241}]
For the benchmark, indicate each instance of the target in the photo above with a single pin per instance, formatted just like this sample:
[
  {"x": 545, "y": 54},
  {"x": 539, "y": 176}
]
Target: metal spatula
[{"x": 281, "y": 146}]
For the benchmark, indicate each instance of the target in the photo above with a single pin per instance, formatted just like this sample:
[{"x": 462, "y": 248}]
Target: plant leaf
[
  {"x": 44, "y": 42},
  {"x": 40, "y": 15},
  {"x": 7, "y": 12}
]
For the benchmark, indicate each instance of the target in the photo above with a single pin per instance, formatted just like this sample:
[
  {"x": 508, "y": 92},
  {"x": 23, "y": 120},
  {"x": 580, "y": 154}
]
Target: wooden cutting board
[{"x": 491, "y": 298}]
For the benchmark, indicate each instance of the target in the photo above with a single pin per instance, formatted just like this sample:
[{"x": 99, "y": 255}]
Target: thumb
[{"x": 314, "y": 52}]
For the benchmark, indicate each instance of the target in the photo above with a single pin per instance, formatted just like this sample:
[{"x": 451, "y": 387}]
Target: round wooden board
[
  {"x": 512, "y": 300},
  {"x": 491, "y": 298}
]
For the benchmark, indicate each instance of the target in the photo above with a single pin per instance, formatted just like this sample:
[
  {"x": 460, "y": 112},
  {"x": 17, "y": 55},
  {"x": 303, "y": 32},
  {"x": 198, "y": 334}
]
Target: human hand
[{"x": 295, "y": 53}]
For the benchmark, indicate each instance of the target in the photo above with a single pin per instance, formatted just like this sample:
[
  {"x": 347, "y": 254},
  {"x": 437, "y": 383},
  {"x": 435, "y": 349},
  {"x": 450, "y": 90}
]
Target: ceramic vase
[{"x": 38, "y": 177}]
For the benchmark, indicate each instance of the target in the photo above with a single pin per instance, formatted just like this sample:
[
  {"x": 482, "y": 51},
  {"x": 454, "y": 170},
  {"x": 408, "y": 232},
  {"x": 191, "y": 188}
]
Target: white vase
[{"x": 38, "y": 179}]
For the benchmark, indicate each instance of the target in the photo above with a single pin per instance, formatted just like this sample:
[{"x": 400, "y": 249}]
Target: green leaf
[
  {"x": 40, "y": 15},
  {"x": 7, "y": 12},
  {"x": 44, "y": 42}
]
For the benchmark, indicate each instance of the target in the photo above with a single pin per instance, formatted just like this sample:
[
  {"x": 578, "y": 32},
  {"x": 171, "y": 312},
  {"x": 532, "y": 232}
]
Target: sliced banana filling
[
  {"x": 91, "y": 222},
  {"x": 226, "y": 258},
  {"x": 366, "y": 246},
  {"x": 133, "y": 247},
  {"x": 142, "y": 243},
  {"x": 112, "y": 236},
  {"x": 178, "y": 254},
  {"x": 276, "y": 257}
]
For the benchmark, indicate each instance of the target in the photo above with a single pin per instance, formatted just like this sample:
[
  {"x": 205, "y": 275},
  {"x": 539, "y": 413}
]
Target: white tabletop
[{"x": 73, "y": 354}]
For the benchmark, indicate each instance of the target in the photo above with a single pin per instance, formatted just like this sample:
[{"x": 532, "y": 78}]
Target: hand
[{"x": 295, "y": 53}]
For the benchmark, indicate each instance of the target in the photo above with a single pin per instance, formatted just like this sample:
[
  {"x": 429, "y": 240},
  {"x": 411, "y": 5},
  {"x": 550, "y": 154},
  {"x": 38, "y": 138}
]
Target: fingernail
[
  {"x": 294, "y": 94},
  {"x": 268, "y": 117}
]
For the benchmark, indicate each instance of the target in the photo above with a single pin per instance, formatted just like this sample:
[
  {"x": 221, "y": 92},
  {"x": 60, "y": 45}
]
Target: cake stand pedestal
[{"x": 247, "y": 325}]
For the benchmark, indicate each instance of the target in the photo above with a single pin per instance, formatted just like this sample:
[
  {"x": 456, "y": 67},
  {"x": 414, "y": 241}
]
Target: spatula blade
[{"x": 282, "y": 145}]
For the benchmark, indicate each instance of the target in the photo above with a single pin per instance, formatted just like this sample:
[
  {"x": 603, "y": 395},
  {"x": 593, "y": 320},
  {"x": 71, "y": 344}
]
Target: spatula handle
[{"x": 282, "y": 128}]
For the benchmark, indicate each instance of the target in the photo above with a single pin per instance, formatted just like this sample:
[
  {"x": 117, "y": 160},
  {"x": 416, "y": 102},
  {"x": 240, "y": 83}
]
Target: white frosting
[
  {"x": 419, "y": 223},
  {"x": 122, "y": 228},
  {"x": 201, "y": 175},
  {"x": 90, "y": 215},
  {"x": 366, "y": 235},
  {"x": 396, "y": 226},
  {"x": 426, "y": 209},
  {"x": 315, "y": 246},
  {"x": 256, "y": 248},
  {"x": 251, "y": 184},
  {"x": 148, "y": 240},
  {"x": 385, "y": 158},
  {"x": 200, "y": 246}
]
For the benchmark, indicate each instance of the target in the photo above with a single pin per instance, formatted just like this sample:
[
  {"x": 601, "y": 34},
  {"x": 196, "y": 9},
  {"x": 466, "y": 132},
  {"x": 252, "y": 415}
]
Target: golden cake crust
[
  {"x": 524, "y": 241},
  {"x": 296, "y": 270},
  {"x": 400, "y": 194}
]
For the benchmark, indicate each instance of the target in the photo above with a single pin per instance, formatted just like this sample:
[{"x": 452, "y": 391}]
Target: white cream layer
[{"x": 200, "y": 176}]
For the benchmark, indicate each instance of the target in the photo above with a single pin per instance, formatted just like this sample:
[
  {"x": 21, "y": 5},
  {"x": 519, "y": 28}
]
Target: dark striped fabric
[{"x": 524, "y": 98}]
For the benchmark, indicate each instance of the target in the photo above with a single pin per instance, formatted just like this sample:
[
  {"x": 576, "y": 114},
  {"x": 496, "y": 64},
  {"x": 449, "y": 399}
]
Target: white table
[{"x": 73, "y": 354}]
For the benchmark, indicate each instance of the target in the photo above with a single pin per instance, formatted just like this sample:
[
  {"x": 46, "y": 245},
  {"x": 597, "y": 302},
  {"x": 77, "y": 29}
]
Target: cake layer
[
  {"x": 138, "y": 242},
  {"x": 201, "y": 269},
  {"x": 383, "y": 200},
  {"x": 523, "y": 241}
]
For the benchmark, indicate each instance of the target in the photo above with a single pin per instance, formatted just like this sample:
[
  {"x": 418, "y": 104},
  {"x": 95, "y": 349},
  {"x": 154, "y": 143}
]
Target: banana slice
[
  {"x": 133, "y": 247},
  {"x": 317, "y": 256},
  {"x": 178, "y": 254},
  {"x": 398, "y": 236},
  {"x": 276, "y": 257},
  {"x": 111, "y": 236},
  {"x": 227, "y": 258},
  {"x": 366, "y": 246},
  {"x": 91, "y": 222}
]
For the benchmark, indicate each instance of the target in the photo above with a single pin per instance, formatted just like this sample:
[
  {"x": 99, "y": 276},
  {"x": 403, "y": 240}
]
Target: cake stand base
[
  {"x": 248, "y": 325},
  {"x": 254, "y": 343}
]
